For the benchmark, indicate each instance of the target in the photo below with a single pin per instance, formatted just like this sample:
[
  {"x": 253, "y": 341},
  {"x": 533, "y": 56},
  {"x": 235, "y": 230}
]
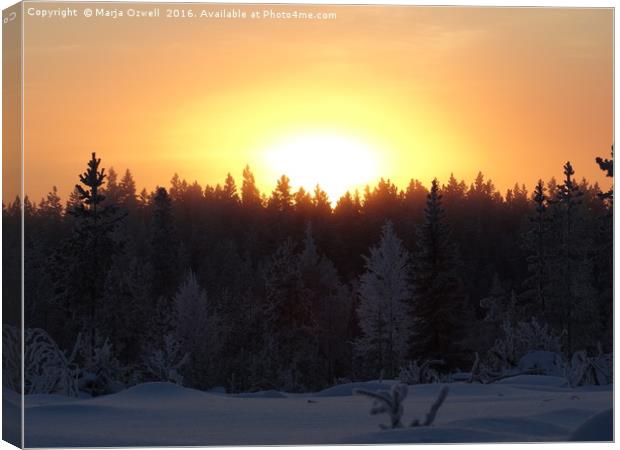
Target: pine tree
[
  {"x": 607, "y": 166},
  {"x": 81, "y": 264},
  {"x": 384, "y": 290},
  {"x": 438, "y": 302}
]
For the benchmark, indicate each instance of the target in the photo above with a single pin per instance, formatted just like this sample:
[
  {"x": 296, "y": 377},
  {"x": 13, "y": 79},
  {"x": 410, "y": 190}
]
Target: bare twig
[{"x": 432, "y": 413}]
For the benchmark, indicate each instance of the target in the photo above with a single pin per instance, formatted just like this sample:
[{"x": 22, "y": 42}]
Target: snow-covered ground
[{"x": 525, "y": 408}]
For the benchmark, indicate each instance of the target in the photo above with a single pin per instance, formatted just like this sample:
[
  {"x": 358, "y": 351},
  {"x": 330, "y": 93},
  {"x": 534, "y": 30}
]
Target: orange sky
[{"x": 511, "y": 92}]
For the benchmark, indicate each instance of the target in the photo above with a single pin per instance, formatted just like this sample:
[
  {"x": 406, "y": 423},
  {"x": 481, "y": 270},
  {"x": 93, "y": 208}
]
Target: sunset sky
[{"x": 398, "y": 92}]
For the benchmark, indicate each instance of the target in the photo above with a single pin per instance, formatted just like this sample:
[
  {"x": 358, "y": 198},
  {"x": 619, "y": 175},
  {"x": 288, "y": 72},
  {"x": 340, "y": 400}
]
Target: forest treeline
[{"x": 227, "y": 286}]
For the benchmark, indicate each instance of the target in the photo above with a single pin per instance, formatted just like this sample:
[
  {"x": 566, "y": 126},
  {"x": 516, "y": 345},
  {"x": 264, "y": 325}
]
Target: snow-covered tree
[
  {"x": 516, "y": 340},
  {"x": 100, "y": 371},
  {"x": 498, "y": 305},
  {"x": 47, "y": 369},
  {"x": 384, "y": 289},
  {"x": 196, "y": 330},
  {"x": 166, "y": 363}
]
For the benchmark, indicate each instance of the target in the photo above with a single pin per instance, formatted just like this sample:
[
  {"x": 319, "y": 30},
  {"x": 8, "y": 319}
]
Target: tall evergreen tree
[
  {"x": 570, "y": 293},
  {"x": 82, "y": 263},
  {"x": 290, "y": 350},
  {"x": 438, "y": 303},
  {"x": 384, "y": 290},
  {"x": 536, "y": 243},
  {"x": 163, "y": 247},
  {"x": 330, "y": 304},
  {"x": 250, "y": 195}
]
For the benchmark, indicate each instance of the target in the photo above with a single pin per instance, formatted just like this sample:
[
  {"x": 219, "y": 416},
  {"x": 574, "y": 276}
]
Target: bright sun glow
[{"x": 337, "y": 163}]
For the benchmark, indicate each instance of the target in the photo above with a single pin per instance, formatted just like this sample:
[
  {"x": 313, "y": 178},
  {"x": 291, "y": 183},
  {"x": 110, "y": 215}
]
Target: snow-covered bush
[
  {"x": 517, "y": 341},
  {"x": 165, "y": 364},
  {"x": 419, "y": 372},
  {"x": 101, "y": 372},
  {"x": 388, "y": 402},
  {"x": 584, "y": 370},
  {"x": 545, "y": 362},
  {"x": 47, "y": 369}
]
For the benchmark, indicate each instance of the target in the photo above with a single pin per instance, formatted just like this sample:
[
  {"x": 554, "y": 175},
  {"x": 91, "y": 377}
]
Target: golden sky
[{"x": 399, "y": 92}]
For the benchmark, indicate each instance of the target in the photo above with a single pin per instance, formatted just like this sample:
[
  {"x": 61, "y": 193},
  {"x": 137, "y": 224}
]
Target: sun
[{"x": 338, "y": 163}]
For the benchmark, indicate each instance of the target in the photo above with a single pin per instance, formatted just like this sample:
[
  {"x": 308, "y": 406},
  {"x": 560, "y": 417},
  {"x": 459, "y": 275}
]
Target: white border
[{"x": 558, "y": 3}]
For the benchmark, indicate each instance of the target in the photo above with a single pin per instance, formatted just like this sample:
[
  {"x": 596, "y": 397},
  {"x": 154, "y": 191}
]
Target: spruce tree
[
  {"x": 250, "y": 195},
  {"x": 163, "y": 247},
  {"x": 571, "y": 296},
  {"x": 281, "y": 198},
  {"x": 536, "y": 243},
  {"x": 384, "y": 290},
  {"x": 438, "y": 301},
  {"x": 290, "y": 350},
  {"x": 604, "y": 256},
  {"x": 330, "y": 304}
]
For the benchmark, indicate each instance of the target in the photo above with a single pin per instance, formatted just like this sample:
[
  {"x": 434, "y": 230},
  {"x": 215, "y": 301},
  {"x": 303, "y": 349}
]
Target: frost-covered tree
[
  {"x": 384, "y": 289},
  {"x": 196, "y": 330},
  {"x": 438, "y": 304},
  {"x": 100, "y": 371},
  {"x": 166, "y": 363},
  {"x": 46, "y": 368},
  {"x": 498, "y": 305},
  {"x": 516, "y": 340}
]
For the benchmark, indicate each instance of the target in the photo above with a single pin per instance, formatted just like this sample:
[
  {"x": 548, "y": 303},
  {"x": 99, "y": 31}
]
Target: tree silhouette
[{"x": 438, "y": 301}]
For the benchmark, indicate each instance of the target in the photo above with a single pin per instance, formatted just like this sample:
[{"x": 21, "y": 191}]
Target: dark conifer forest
[{"x": 228, "y": 286}]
